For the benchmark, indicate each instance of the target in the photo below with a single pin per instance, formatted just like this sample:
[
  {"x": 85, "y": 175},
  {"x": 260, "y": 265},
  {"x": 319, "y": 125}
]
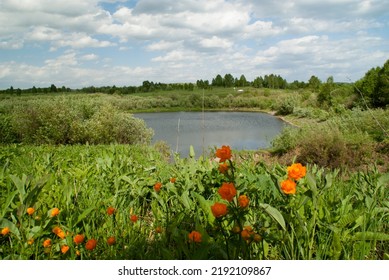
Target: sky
[{"x": 77, "y": 44}]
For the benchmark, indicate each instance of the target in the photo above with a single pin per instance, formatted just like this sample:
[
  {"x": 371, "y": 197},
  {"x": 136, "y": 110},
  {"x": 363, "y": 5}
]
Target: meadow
[{"x": 80, "y": 180}]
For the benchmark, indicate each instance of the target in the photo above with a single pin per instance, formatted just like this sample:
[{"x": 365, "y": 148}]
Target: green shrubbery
[{"x": 65, "y": 121}]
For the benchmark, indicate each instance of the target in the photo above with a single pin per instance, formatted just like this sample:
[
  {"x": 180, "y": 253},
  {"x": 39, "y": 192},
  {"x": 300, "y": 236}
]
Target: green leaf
[
  {"x": 274, "y": 213},
  {"x": 368, "y": 235},
  {"x": 20, "y": 186},
  {"x": 191, "y": 152},
  {"x": 205, "y": 206},
  {"x": 84, "y": 214}
]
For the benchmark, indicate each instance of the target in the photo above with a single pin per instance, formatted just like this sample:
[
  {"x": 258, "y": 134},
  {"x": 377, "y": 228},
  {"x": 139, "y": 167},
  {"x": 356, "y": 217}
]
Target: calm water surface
[{"x": 239, "y": 130}]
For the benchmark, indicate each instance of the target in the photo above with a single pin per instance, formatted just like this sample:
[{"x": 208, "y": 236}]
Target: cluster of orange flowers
[
  {"x": 195, "y": 236},
  {"x": 295, "y": 172},
  {"x": 248, "y": 234}
]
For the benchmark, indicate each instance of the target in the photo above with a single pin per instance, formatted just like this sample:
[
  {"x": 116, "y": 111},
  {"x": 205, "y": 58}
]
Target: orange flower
[
  {"x": 243, "y": 201},
  {"x": 91, "y": 244},
  {"x": 5, "y": 231},
  {"x": 219, "y": 209},
  {"x": 173, "y": 180},
  {"x": 227, "y": 191},
  {"x": 194, "y": 236},
  {"x": 157, "y": 186},
  {"x": 30, "y": 211},
  {"x": 223, "y": 168},
  {"x": 111, "y": 240},
  {"x": 30, "y": 241},
  {"x": 158, "y": 229},
  {"x": 110, "y": 210},
  {"x": 59, "y": 232},
  {"x": 134, "y": 218},
  {"x": 296, "y": 171},
  {"x": 54, "y": 212},
  {"x": 64, "y": 249},
  {"x": 247, "y": 232},
  {"x": 288, "y": 186},
  {"x": 257, "y": 237},
  {"x": 78, "y": 239},
  {"x": 224, "y": 153},
  {"x": 47, "y": 243}
]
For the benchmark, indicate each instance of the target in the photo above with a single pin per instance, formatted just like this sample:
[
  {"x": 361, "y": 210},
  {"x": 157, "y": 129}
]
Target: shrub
[{"x": 67, "y": 122}]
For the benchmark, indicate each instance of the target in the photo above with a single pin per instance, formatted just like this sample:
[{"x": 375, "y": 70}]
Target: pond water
[{"x": 239, "y": 130}]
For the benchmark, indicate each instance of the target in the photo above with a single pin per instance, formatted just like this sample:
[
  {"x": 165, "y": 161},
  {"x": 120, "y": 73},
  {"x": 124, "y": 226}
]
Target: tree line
[{"x": 372, "y": 89}]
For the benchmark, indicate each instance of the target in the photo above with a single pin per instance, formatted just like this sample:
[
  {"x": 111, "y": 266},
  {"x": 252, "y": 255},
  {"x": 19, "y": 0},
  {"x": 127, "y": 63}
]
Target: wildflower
[
  {"x": 54, "y": 212},
  {"x": 223, "y": 168},
  {"x": 224, "y": 153},
  {"x": 78, "y": 253},
  {"x": 5, "y": 231},
  {"x": 91, "y": 244},
  {"x": 247, "y": 232},
  {"x": 288, "y": 186},
  {"x": 227, "y": 191},
  {"x": 243, "y": 201},
  {"x": 78, "y": 239},
  {"x": 30, "y": 241},
  {"x": 64, "y": 249},
  {"x": 173, "y": 180},
  {"x": 134, "y": 218},
  {"x": 110, "y": 210},
  {"x": 296, "y": 171},
  {"x": 219, "y": 209},
  {"x": 47, "y": 243},
  {"x": 30, "y": 211},
  {"x": 157, "y": 186},
  {"x": 194, "y": 236},
  {"x": 158, "y": 229},
  {"x": 111, "y": 240},
  {"x": 59, "y": 232}
]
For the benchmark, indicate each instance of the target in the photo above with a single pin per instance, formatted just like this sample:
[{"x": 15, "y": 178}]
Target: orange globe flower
[
  {"x": 59, "y": 232},
  {"x": 54, "y": 212},
  {"x": 134, "y": 218},
  {"x": 219, "y": 209},
  {"x": 243, "y": 201},
  {"x": 157, "y": 186},
  {"x": 91, "y": 244},
  {"x": 30, "y": 211},
  {"x": 195, "y": 236},
  {"x": 64, "y": 249},
  {"x": 223, "y": 168},
  {"x": 30, "y": 241},
  {"x": 224, "y": 153},
  {"x": 227, "y": 191},
  {"x": 247, "y": 232},
  {"x": 288, "y": 186},
  {"x": 47, "y": 243},
  {"x": 173, "y": 180},
  {"x": 111, "y": 240},
  {"x": 110, "y": 210},
  {"x": 296, "y": 171},
  {"x": 78, "y": 239},
  {"x": 5, "y": 231}
]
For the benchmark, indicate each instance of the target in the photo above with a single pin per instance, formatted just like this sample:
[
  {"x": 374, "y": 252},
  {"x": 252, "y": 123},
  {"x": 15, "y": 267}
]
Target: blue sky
[{"x": 77, "y": 43}]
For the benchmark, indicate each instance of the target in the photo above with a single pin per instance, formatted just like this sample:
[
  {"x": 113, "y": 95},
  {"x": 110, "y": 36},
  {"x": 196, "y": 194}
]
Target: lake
[{"x": 239, "y": 130}]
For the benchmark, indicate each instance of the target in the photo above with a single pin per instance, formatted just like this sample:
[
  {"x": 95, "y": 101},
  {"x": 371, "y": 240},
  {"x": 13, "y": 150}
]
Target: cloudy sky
[{"x": 117, "y": 42}]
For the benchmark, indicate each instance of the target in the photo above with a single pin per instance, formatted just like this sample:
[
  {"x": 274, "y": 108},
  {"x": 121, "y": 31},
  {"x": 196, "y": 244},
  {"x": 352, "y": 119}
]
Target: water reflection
[{"x": 240, "y": 130}]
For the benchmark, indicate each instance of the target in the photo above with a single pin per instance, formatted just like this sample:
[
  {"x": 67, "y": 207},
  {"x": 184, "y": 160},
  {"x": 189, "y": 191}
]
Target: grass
[{"x": 328, "y": 218}]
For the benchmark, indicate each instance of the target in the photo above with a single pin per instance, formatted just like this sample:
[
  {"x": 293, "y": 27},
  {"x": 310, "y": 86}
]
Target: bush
[{"x": 66, "y": 122}]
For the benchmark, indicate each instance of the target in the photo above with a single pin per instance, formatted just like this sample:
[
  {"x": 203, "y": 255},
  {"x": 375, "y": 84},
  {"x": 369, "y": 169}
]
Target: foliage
[
  {"x": 65, "y": 121},
  {"x": 125, "y": 202}
]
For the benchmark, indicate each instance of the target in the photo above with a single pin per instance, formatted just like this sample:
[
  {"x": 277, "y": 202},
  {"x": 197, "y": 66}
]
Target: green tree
[
  {"x": 218, "y": 81},
  {"x": 314, "y": 83},
  {"x": 380, "y": 96},
  {"x": 228, "y": 80},
  {"x": 324, "y": 98}
]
